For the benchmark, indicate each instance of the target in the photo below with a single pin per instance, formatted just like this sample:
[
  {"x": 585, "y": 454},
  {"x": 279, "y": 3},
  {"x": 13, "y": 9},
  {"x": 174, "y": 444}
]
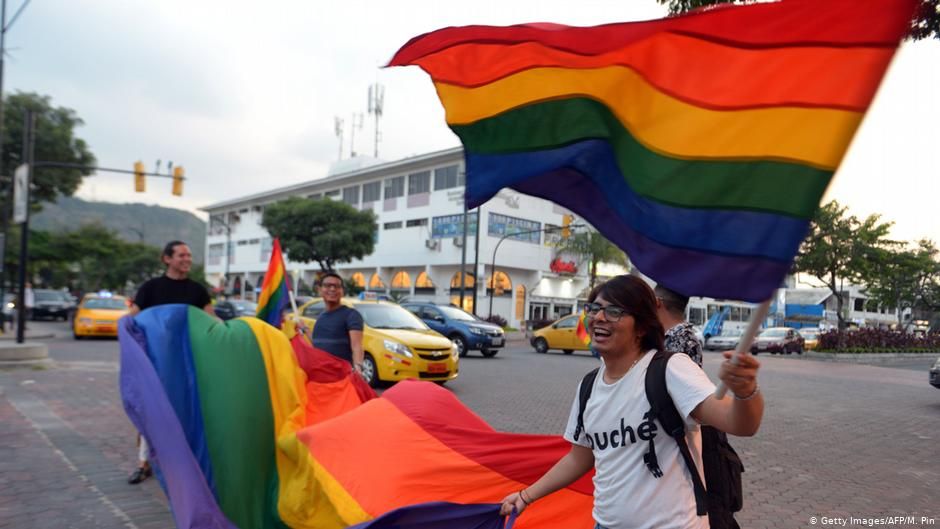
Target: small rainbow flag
[
  {"x": 275, "y": 291},
  {"x": 582, "y": 331},
  {"x": 699, "y": 144}
]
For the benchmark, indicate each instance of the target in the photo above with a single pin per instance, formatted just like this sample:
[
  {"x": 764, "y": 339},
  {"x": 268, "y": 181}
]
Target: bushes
[
  {"x": 877, "y": 341},
  {"x": 497, "y": 319},
  {"x": 534, "y": 325}
]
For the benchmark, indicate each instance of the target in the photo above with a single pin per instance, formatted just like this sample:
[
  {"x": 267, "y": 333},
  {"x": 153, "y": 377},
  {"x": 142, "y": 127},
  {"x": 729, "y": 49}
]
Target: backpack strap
[
  {"x": 584, "y": 393},
  {"x": 664, "y": 409}
]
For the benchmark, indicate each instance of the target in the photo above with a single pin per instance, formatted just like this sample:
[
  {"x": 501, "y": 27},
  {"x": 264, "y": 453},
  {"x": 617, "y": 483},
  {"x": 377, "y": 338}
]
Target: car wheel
[
  {"x": 440, "y": 382},
  {"x": 461, "y": 344},
  {"x": 799, "y": 349},
  {"x": 541, "y": 346},
  {"x": 370, "y": 371},
  {"x": 567, "y": 351},
  {"x": 77, "y": 336},
  {"x": 489, "y": 353}
]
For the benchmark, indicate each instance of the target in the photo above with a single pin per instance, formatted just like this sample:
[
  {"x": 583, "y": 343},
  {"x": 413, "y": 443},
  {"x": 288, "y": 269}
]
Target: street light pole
[{"x": 503, "y": 238}]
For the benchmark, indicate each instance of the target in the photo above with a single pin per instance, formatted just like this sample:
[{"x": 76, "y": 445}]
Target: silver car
[{"x": 724, "y": 341}]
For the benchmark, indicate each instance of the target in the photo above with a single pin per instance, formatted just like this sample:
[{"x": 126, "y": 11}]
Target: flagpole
[{"x": 744, "y": 345}]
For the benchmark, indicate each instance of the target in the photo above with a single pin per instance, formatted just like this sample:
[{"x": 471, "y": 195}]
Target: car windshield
[
  {"x": 811, "y": 335},
  {"x": 456, "y": 314},
  {"x": 106, "y": 304},
  {"x": 245, "y": 305},
  {"x": 774, "y": 333},
  {"x": 47, "y": 296},
  {"x": 380, "y": 316}
]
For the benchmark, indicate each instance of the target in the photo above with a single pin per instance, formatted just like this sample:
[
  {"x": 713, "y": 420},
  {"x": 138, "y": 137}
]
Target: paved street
[{"x": 838, "y": 439}]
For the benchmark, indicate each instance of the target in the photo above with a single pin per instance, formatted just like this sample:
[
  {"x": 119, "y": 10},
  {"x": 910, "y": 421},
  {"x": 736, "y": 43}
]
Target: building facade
[{"x": 419, "y": 243}]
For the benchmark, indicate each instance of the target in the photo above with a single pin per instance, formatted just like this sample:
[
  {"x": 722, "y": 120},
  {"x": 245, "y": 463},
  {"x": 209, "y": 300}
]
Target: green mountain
[{"x": 153, "y": 225}]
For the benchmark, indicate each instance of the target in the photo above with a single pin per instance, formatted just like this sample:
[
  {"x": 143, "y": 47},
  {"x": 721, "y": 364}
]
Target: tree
[
  {"x": 926, "y": 22},
  {"x": 322, "y": 231},
  {"x": 55, "y": 142},
  {"x": 903, "y": 278},
  {"x": 840, "y": 247},
  {"x": 594, "y": 248}
]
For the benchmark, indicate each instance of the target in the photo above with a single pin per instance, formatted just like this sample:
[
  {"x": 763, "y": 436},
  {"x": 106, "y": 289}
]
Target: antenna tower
[
  {"x": 338, "y": 128},
  {"x": 376, "y": 104},
  {"x": 355, "y": 124}
]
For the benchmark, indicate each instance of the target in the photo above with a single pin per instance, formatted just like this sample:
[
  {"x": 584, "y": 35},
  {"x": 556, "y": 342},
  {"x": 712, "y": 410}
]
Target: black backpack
[{"x": 721, "y": 463}]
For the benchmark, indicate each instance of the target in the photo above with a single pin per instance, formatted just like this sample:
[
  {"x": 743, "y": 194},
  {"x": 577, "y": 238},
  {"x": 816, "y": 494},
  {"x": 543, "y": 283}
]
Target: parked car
[
  {"x": 235, "y": 308},
  {"x": 562, "y": 334},
  {"x": 98, "y": 315},
  {"x": 51, "y": 304},
  {"x": 810, "y": 336},
  {"x": 935, "y": 374},
  {"x": 726, "y": 340},
  {"x": 468, "y": 332},
  {"x": 778, "y": 340},
  {"x": 397, "y": 344}
]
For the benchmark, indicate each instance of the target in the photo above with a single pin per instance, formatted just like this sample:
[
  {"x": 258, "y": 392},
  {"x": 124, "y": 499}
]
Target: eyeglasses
[
  {"x": 326, "y": 286},
  {"x": 613, "y": 313}
]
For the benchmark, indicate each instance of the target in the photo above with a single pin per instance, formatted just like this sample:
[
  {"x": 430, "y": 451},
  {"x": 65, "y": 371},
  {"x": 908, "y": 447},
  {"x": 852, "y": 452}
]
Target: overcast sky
[{"x": 244, "y": 94}]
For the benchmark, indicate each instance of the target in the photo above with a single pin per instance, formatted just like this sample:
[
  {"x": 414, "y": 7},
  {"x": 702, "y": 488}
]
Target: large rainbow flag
[
  {"x": 699, "y": 144},
  {"x": 251, "y": 430},
  {"x": 275, "y": 289}
]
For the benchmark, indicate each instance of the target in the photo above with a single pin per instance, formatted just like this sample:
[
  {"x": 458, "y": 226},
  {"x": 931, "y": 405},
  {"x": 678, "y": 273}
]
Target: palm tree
[{"x": 594, "y": 248}]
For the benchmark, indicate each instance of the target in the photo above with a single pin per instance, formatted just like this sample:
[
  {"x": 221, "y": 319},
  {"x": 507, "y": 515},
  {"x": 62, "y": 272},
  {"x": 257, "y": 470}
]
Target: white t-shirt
[{"x": 626, "y": 494}]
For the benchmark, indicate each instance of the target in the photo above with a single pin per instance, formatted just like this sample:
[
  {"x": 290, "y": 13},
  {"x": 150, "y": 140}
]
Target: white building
[{"x": 419, "y": 205}]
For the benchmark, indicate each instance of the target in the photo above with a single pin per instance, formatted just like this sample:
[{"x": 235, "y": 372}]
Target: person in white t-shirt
[{"x": 626, "y": 332}]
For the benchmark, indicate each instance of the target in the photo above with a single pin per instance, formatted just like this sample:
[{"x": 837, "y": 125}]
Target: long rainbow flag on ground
[
  {"x": 275, "y": 290},
  {"x": 250, "y": 430},
  {"x": 699, "y": 144}
]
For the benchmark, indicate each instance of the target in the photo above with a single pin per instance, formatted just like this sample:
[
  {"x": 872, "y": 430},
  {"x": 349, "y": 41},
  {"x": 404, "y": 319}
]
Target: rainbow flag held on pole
[
  {"x": 275, "y": 290},
  {"x": 699, "y": 144},
  {"x": 582, "y": 331}
]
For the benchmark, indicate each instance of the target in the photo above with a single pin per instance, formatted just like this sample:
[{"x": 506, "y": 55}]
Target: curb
[
  {"x": 12, "y": 336},
  {"x": 866, "y": 357}
]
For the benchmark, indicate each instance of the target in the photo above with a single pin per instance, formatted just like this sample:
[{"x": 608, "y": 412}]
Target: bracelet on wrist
[
  {"x": 749, "y": 397},
  {"x": 522, "y": 496}
]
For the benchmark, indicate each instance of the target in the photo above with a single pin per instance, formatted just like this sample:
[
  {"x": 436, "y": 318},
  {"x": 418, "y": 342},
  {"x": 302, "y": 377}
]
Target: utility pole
[
  {"x": 4, "y": 213},
  {"x": 338, "y": 129},
  {"x": 356, "y": 123},
  {"x": 28, "y": 152}
]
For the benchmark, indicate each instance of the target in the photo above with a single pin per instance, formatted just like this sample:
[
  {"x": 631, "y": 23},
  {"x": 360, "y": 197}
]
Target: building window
[
  {"x": 416, "y": 222},
  {"x": 358, "y": 279},
  {"x": 351, "y": 195},
  {"x": 315, "y": 196},
  {"x": 376, "y": 282},
  {"x": 503, "y": 285},
  {"x": 333, "y": 193},
  {"x": 394, "y": 187},
  {"x": 419, "y": 183},
  {"x": 469, "y": 282},
  {"x": 527, "y": 230},
  {"x": 392, "y": 225},
  {"x": 859, "y": 304},
  {"x": 553, "y": 235},
  {"x": 452, "y": 226},
  {"x": 372, "y": 192},
  {"x": 401, "y": 281},
  {"x": 243, "y": 242},
  {"x": 266, "y": 246},
  {"x": 423, "y": 285},
  {"x": 447, "y": 177},
  {"x": 215, "y": 253}
]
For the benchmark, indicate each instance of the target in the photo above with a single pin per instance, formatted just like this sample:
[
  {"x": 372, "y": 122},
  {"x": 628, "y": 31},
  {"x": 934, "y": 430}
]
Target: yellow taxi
[
  {"x": 397, "y": 344},
  {"x": 562, "y": 334},
  {"x": 98, "y": 314}
]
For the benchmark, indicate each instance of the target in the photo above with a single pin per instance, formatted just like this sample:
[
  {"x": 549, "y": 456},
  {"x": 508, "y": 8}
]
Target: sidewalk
[
  {"x": 35, "y": 330},
  {"x": 66, "y": 449}
]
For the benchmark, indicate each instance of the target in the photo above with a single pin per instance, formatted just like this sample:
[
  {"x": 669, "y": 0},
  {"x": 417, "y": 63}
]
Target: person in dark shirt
[
  {"x": 174, "y": 286},
  {"x": 680, "y": 334},
  {"x": 339, "y": 329}
]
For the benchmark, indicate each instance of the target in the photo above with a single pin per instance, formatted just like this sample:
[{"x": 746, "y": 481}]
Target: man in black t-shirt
[{"x": 174, "y": 286}]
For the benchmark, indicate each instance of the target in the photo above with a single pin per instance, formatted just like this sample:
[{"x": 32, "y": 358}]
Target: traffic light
[
  {"x": 566, "y": 226},
  {"x": 178, "y": 180},
  {"x": 140, "y": 185}
]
